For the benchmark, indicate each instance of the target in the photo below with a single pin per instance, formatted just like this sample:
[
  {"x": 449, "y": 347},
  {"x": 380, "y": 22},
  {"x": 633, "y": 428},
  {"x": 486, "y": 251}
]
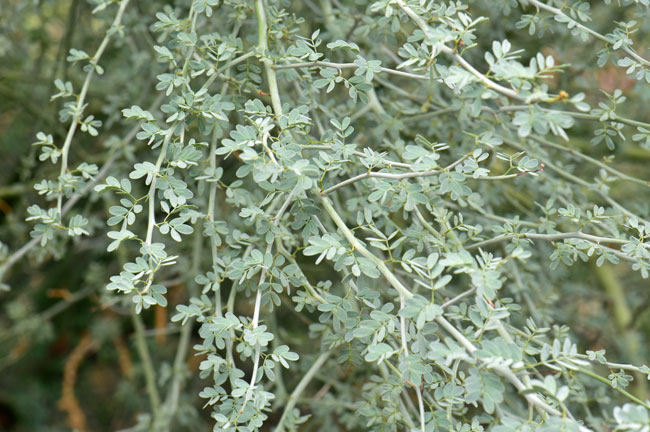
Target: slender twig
[
  {"x": 612, "y": 365},
  {"x": 267, "y": 149},
  {"x": 212, "y": 203},
  {"x": 179, "y": 369},
  {"x": 147, "y": 364},
  {"x": 392, "y": 176},
  {"x": 349, "y": 66},
  {"x": 389, "y": 163},
  {"x": 263, "y": 46},
  {"x": 302, "y": 385},
  {"x": 458, "y": 298},
  {"x": 578, "y": 180},
  {"x": 553, "y": 237},
  {"x": 356, "y": 245},
  {"x": 226, "y": 67},
  {"x": 578, "y": 115},
  {"x": 594, "y": 161},
  {"x": 430, "y": 114},
  {"x": 617, "y": 388},
  {"x": 152, "y": 187},
  {"x": 429, "y": 227},
  {"x": 258, "y": 304},
  {"x": 402, "y": 323},
  {"x": 510, "y": 176},
  {"x": 81, "y": 100}
]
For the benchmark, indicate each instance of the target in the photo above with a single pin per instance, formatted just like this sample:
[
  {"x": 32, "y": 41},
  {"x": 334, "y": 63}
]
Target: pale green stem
[
  {"x": 179, "y": 369},
  {"x": 341, "y": 66},
  {"x": 356, "y": 245},
  {"x": 618, "y": 388},
  {"x": 65, "y": 150},
  {"x": 596, "y": 162},
  {"x": 578, "y": 180},
  {"x": 147, "y": 364},
  {"x": 579, "y": 115},
  {"x": 554, "y": 237},
  {"x": 393, "y": 176},
  {"x": 225, "y": 67},
  {"x": 302, "y": 385},
  {"x": 152, "y": 187},
  {"x": 212, "y": 202},
  {"x": 263, "y": 46}
]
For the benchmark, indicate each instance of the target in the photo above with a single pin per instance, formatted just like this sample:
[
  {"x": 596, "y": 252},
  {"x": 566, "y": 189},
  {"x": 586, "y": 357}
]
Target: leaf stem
[{"x": 603, "y": 380}]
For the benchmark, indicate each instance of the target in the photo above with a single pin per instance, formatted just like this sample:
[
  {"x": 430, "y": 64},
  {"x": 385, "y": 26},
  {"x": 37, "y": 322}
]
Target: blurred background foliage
[{"x": 67, "y": 357}]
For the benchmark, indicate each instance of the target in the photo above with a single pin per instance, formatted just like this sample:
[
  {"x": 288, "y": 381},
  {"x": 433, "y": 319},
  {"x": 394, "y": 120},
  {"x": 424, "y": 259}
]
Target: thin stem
[
  {"x": 402, "y": 322},
  {"x": 581, "y": 182},
  {"x": 225, "y": 67},
  {"x": 594, "y": 161},
  {"x": 179, "y": 369},
  {"x": 430, "y": 114},
  {"x": 418, "y": 393},
  {"x": 152, "y": 188},
  {"x": 389, "y": 163},
  {"x": 147, "y": 364},
  {"x": 263, "y": 46},
  {"x": 258, "y": 304},
  {"x": 302, "y": 385},
  {"x": 267, "y": 149},
  {"x": 349, "y": 66},
  {"x": 308, "y": 286},
  {"x": 458, "y": 298},
  {"x": 381, "y": 266},
  {"x": 429, "y": 227},
  {"x": 579, "y": 115},
  {"x": 212, "y": 202},
  {"x": 625, "y": 393},
  {"x": 553, "y": 237},
  {"x": 65, "y": 150},
  {"x": 392, "y": 176},
  {"x": 612, "y": 365}
]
